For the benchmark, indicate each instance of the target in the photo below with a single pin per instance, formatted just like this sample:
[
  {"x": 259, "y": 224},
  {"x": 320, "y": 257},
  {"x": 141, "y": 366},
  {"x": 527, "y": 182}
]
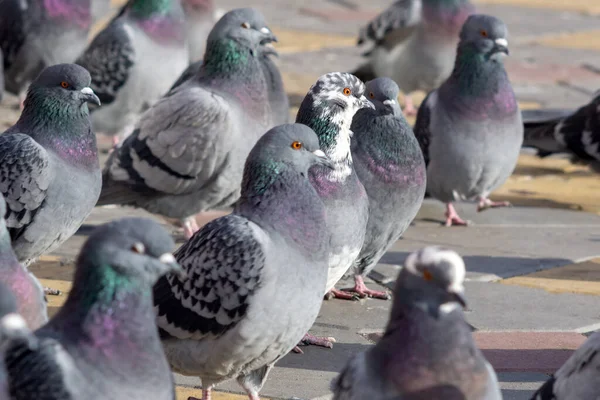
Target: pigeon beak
[
  {"x": 14, "y": 326},
  {"x": 89, "y": 96},
  {"x": 500, "y": 46},
  {"x": 459, "y": 297},
  {"x": 389, "y": 102},
  {"x": 269, "y": 50},
  {"x": 364, "y": 103},
  {"x": 173, "y": 265},
  {"x": 268, "y": 36},
  {"x": 323, "y": 160}
]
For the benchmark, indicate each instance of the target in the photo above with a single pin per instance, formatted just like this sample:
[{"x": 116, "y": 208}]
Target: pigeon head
[
  {"x": 245, "y": 26},
  {"x": 11, "y": 323},
  {"x": 432, "y": 279},
  {"x": 129, "y": 251},
  {"x": 383, "y": 93},
  {"x": 328, "y": 109},
  {"x": 485, "y": 35},
  {"x": 61, "y": 87}
]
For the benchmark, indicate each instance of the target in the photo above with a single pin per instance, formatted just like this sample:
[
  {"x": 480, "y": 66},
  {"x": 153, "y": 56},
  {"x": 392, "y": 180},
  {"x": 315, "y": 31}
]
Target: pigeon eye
[
  {"x": 138, "y": 248},
  {"x": 483, "y": 33},
  {"x": 246, "y": 25},
  {"x": 427, "y": 275},
  {"x": 296, "y": 145},
  {"x": 347, "y": 91},
  {"x": 64, "y": 84},
  {"x": 372, "y": 95}
]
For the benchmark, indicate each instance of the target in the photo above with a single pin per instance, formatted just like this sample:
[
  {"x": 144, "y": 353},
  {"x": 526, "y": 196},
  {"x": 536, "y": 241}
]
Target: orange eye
[
  {"x": 427, "y": 275},
  {"x": 296, "y": 145},
  {"x": 347, "y": 91},
  {"x": 245, "y": 25},
  {"x": 64, "y": 84},
  {"x": 372, "y": 95},
  {"x": 483, "y": 33}
]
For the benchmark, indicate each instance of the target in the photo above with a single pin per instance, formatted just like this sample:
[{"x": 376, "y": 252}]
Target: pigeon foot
[
  {"x": 484, "y": 204},
  {"x": 190, "y": 227},
  {"x": 363, "y": 291},
  {"x": 409, "y": 106},
  {"x": 452, "y": 217},
  {"x": 309, "y": 340},
  {"x": 52, "y": 292},
  {"x": 341, "y": 294}
]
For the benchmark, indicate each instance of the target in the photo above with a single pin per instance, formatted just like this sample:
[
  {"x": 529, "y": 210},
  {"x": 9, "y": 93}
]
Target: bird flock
[{"x": 199, "y": 118}]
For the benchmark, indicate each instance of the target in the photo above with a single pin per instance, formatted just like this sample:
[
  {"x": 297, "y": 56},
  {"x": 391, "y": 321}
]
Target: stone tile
[
  {"x": 520, "y": 385},
  {"x": 335, "y": 14},
  {"x": 182, "y": 393},
  {"x": 583, "y": 6},
  {"x": 582, "y": 278},
  {"x": 587, "y": 40},
  {"x": 294, "y": 41}
]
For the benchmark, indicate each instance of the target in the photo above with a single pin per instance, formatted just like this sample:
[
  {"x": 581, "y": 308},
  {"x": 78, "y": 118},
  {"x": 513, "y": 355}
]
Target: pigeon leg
[
  {"x": 363, "y": 291},
  {"x": 409, "y": 107},
  {"x": 309, "y": 339},
  {"x": 452, "y": 217},
  {"x": 190, "y": 226},
  {"x": 115, "y": 140},
  {"x": 340, "y": 294},
  {"x": 485, "y": 203},
  {"x": 206, "y": 395}
]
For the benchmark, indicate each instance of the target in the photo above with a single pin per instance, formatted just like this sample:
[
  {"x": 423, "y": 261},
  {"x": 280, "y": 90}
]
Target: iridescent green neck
[
  {"x": 225, "y": 57},
  {"x": 475, "y": 74},
  {"x": 146, "y": 8},
  {"x": 259, "y": 177},
  {"x": 321, "y": 122}
]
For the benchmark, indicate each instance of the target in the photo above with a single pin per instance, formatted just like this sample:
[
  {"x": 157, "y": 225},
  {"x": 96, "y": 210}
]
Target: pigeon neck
[
  {"x": 72, "y": 11},
  {"x": 280, "y": 199},
  {"x": 163, "y": 20},
  {"x": 110, "y": 309},
  {"x": 63, "y": 127},
  {"x": 226, "y": 59},
  {"x": 479, "y": 87}
]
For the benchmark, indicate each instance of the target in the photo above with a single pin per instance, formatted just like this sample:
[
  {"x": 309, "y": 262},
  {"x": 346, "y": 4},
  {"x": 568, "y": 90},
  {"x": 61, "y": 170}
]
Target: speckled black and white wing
[
  {"x": 422, "y": 127},
  {"x": 25, "y": 175},
  {"x": 394, "y": 24},
  {"x": 578, "y": 378},
  {"x": 577, "y": 133},
  {"x": 109, "y": 59},
  {"x": 224, "y": 262},
  {"x": 35, "y": 371}
]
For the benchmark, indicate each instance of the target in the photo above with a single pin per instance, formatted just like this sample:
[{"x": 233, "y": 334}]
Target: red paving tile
[
  {"x": 335, "y": 14},
  {"x": 543, "y": 352}
]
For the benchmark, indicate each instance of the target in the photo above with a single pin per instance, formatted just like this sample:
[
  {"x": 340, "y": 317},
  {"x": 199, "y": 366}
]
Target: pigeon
[
  {"x": 414, "y": 43},
  {"x": 256, "y": 276},
  {"x": 578, "y": 378},
  {"x": 26, "y": 288},
  {"x": 577, "y": 133},
  {"x": 328, "y": 109},
  {"x": 187, "y": 153},
  {"x": 200, "y": 17},
  {"x": 12, "y": 326},
  {"x": 50, "y": 176},
  {"x": 1, "y": 75},
  {"x": 427, "y": 350},
  {"x": 127, "y": 62},
  {"x": 470, "y": 129},
  {"x": 102, "y": 343},
  {"x": 389, "y": 163},
  {"x": 38, "y": 34}
]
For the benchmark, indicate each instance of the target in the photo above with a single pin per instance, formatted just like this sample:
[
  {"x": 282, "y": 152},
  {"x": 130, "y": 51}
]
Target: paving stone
[{"x": 583, "y": 6}]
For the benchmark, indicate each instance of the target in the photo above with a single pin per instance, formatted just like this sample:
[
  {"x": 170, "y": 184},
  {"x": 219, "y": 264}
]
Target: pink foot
[
  {"x": 309, "y": 340},
  {"x": 206, "y": 395},
  {"x": 452, "y": 217},
  {"x": 340, "y": 294},
  {"x": 363, "y": 291},
  {"x": 115, "y": 140},
  {"x": 190, "y": 227},
  {"x": 484, "y": 204},
  {"x": 409, "y": 107}
]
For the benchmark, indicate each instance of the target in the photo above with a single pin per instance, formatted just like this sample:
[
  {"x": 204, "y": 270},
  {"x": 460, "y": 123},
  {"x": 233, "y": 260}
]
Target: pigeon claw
[
  {"x": 309, "y": 340},
  {"x": 452, "y": 217},
  {"x": 361, "y": 290},
  {"x": 341, "y": 294},
  {"x": 484, "y": 204}
]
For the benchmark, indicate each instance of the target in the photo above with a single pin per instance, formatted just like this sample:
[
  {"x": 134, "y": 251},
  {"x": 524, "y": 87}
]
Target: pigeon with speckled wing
[
  {"x": 470, "y": 129},
  {"x": 133, "y": 62},
  {"x": 578, "y": 378},
  {"x": 188, "y": 150},
  {"x": 27, "y": 289},
  {"x": 38, "y": 34},
  {"x": 390, "y": 165},
  {"x": 414, "y": 43},
  {"x": 576, "y": 132},
  {"x": 256, "y": 276},
  {"x": 427, "y": 350},
  {"x": 49, "y": 171},
  {"x": 103, "y": 343}
]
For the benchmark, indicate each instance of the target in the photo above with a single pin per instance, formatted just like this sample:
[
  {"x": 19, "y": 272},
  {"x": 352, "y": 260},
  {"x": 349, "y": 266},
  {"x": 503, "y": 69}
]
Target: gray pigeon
[
  {"x": 414, "y": 43},
  {"x": 200, "y": 17},
  {"x": 578, "y": 378},
  {"x": 102, "y": 344},
  {"x": 470, "y": 129},
  {"x": 390, "y": 165},
  {"x": 26, "y": 288},
  {"x": 187, "y": 153},
  {"x": 133, "y": 62},
  {"x": 576, "y": 132},
  {"x": 257, "y": 276},
  {"x": 38, "y": 34},
  {"x": 427, "y": 350},
  {"x": 49, "y": 171},
  {"x": 328, "y": 109}
]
